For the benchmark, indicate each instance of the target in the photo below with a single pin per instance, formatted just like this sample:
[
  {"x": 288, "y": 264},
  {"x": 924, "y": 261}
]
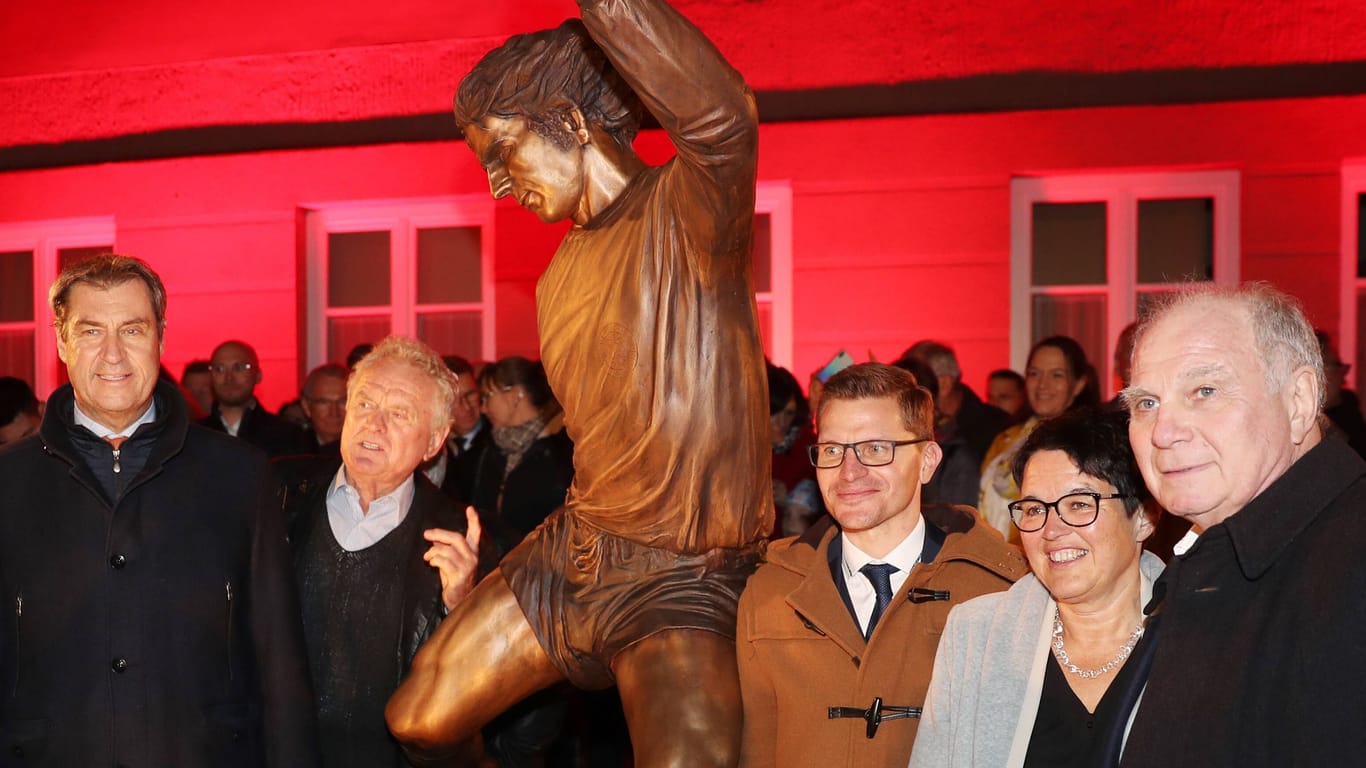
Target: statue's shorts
[{"x": 589, "y": 594}]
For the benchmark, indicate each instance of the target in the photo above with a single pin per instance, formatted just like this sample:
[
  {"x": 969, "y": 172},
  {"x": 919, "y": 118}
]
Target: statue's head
[{"x": 529, "y": 107}]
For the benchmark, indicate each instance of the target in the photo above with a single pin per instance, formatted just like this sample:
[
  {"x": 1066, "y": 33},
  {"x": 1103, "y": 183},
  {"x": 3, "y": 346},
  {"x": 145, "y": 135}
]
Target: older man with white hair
[
  {"x": 380, "y": 555},
  {"x": 1257, "y": 635}
]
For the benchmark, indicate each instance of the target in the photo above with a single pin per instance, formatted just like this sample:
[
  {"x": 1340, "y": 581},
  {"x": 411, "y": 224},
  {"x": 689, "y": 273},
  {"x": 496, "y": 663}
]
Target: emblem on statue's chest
[{"x": 616, "y": 348}]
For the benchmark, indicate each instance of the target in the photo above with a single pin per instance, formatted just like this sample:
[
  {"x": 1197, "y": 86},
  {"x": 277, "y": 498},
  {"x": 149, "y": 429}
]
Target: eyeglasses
[
  {"x": 1076, "y": 509},
  {"x": 471, "y": 397},
  {"x": 489, "y": 393},
  {"x": 870, "y": 453},
  {"x": 234, "y": 368}
]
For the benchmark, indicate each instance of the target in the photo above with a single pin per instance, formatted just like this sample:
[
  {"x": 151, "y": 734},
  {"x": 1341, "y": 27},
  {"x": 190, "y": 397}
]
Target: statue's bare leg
[
  {"x": 681, "y": 693},
  {"x": 483, "y": 658}
]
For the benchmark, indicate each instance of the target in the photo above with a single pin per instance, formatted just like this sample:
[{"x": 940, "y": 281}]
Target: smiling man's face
[{"x": 112, "y": 351}]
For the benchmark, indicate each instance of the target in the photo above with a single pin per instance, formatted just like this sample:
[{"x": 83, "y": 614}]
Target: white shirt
[
  {"x": 355, "y": 530},
  {"x": 1183, "y": 546},
  {"x": 904, "y": 556},
  {"x": 101, "y": 431}
]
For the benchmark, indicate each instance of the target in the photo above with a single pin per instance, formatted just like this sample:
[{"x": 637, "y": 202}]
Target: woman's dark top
[{"x": 1065, "y": 734}]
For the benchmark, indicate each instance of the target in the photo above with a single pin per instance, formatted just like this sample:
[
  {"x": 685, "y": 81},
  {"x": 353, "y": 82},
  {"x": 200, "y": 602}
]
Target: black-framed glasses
[
  {"x": 234, "y": 368},
  {"x": 870, "y": 453},
  {"x": 1076, "y": 509}
]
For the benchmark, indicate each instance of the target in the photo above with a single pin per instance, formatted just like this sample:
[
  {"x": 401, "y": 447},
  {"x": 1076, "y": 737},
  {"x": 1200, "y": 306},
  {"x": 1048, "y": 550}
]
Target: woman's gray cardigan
[{"x": 988, "y": 675}]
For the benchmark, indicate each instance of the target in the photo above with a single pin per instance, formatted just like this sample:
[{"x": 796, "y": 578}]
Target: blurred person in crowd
[
  {"x": 527, "y": 469},
  {"x": 959, "y": 473},
  {"x": 796, "y": 497},
  {"x": 1006, "y": 390},
  {"x": 236, "y": 370},
  {"x": 1340, "y": 405},
  {"x": 1056, "y": 380},
  {"x": 963, "y": 412},
  {"x": 323, "y": 400},
  {"x": 19, "y": 412},
  {"x": 198, "y": 381}
]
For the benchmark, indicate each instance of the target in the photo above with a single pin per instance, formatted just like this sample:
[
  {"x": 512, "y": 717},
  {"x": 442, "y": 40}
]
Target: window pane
[
  {"x": 16, "y": 355},
  {"x": 448, "y": 265},
  {"x": 16, "y": 287},
  {"x": 358, "y": 269},
  {"x": 1068, "y": 243},
  {"x": 761, "y": 253},
  {"x": 453, "y": 333},
  {"x": 344, "y": 333},
  {"x": 1175, "y": 240},
  {"x": 1082, "y": 318},
  {"x": 69, "y": 256}
]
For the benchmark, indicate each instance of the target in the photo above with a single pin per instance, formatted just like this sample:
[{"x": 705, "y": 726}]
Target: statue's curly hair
[{"x": 542, "y": 76}]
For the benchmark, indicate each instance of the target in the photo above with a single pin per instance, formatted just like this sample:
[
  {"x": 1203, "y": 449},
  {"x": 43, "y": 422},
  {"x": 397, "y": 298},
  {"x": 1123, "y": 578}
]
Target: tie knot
[
  {"x": 879, "y": 573},
  {"x": 117, "y": 442}
]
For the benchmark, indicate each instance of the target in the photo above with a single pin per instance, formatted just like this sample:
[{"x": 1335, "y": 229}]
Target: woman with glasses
[
  {"x": 1058, "y": 378},
  {"x": 524, "y": 474},
  {"x": 1044, "y": 673}
]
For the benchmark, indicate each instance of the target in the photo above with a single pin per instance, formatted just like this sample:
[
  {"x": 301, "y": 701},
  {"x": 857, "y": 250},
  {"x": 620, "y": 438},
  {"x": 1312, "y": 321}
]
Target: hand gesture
[{"x": 456, "y": 558}]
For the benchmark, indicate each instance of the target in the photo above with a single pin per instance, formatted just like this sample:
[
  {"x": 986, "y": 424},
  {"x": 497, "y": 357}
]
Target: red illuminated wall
[{"x": 901, "y": 223}]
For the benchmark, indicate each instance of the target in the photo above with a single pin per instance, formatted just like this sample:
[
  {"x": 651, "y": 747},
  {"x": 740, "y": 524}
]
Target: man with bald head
[
  {"x": 1255, "y": 635},
  {"x": 236, "y": 371}
]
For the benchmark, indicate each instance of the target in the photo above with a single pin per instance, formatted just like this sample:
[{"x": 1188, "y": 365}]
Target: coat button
[
  {"x": 118, "y": 561},
  {"x": 119, "y": 665}
]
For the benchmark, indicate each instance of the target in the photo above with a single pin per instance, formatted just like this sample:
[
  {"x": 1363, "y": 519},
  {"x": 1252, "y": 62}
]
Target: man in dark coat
[
  {"x": 381, "y": 555},
  {"x": 1255, "y": 636},
  {"x": 150, "y": 615},
  {"x": 236, "y": 371}
]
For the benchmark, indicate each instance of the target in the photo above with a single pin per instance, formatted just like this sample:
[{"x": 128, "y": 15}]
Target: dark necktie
[
  {"x": 117, "y": 443},
  {"x": 880, "y": 574}
]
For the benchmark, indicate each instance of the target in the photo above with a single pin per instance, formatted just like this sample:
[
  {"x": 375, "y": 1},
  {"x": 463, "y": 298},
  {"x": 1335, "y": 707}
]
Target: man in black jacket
[
  {"x": 150, "y": 618},
  {"x": 356, "y": 522},
  {"x": 1255, "y": 641},
  {"x": 236, "y": 370}
]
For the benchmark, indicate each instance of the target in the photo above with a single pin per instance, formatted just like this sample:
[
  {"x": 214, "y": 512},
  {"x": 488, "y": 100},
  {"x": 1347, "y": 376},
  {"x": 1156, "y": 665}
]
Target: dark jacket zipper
[{"x": 227, "y": 589}]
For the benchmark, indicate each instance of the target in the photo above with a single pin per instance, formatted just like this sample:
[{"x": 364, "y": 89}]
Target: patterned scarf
[{"x": 514, "y": 441}]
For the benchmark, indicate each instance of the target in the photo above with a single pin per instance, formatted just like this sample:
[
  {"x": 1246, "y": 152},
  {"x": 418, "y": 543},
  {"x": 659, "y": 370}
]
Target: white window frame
[
  {"x": 1353, "y": 184},
  {"x": 774, "y": 198},
  {"x": 402, "y": 218},
  {"x": 1121, "y": 192},
  {"x": 45, "y": 238}
]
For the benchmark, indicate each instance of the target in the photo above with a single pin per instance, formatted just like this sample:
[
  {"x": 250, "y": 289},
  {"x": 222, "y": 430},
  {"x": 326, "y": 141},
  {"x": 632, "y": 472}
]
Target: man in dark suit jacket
[
  {"x": 149, "y": 614},
  {"x": 236, "y": 371},
  {"x": 456, "y": 469},
  {"x": 357, "y": 520}
]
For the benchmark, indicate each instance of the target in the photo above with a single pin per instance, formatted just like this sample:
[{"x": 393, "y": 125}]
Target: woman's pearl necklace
[{"x": 1060, "y": 651}]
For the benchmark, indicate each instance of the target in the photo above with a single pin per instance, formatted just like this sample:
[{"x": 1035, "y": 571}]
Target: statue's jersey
[{"x": 650, "y": 340}]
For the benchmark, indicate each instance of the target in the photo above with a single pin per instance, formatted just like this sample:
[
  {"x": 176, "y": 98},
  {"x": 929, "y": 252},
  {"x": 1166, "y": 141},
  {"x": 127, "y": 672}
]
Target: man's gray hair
[
  {"x": 400, "y": 349},
  {"x": 1282, "y": 334},
  {"x": 939, "y": 356}
]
